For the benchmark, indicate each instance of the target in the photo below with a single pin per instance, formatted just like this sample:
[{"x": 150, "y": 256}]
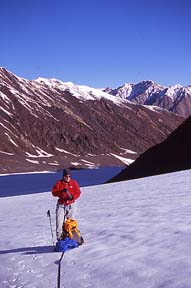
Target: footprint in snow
[{"x": 86, "y": 285}]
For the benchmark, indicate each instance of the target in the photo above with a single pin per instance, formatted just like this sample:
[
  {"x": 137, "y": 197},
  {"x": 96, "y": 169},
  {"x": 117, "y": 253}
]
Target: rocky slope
[
  {"x": 46, "y": 124},
  {"x": 173, "y": 154}
]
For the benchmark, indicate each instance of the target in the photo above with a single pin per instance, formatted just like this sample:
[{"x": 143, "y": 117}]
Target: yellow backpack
[{"x": 70, "y": 229}]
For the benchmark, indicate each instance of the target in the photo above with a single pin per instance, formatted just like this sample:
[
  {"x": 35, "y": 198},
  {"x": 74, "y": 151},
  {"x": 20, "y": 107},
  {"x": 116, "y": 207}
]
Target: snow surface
[{"x": 137, "y": 235}]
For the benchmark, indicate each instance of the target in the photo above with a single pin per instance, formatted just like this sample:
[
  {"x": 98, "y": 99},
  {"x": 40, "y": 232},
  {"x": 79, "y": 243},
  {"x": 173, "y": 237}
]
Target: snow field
[{"x": 137, "y": 234}]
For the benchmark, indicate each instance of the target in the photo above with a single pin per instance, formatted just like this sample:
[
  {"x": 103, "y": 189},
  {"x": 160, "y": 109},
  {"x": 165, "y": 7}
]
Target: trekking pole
[
  {"x": 48, "y": 214},
  {"x": 59, "y": 270}
]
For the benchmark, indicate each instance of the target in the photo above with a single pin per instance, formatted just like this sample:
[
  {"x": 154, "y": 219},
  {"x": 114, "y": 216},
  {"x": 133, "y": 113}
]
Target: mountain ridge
[
  {"x": 171, "y": 155},
  {"x": 48, "y": 124},
  {"x": 176, "y": 98}
]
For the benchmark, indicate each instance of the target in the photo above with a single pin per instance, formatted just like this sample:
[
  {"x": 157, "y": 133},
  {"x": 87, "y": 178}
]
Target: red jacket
[{"x": 73, "y": 188}]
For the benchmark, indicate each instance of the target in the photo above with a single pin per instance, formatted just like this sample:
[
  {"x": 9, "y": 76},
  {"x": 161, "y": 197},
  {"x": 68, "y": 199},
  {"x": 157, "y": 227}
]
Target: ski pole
[
  {"x": 59, "y": 270},
  {"x": 48, "y": 214}
]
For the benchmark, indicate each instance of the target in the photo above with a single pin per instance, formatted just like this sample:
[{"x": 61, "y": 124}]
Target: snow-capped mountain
[
  {"x": 48, "y": 124},
  {"x": 175, "y": 98}
]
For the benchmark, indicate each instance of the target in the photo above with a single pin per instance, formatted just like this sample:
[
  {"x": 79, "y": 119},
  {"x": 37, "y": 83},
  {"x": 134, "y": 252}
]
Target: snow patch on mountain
[
  {"x": 11, "y": 154},
  {"x": 32, "y": 161},
  {"x": 128, "y": 151},
  {"x": 5, "y": 98},
  {"x": 10, "y": 139},
  {"x": 40, "y": 153},
  {"x": 123, "y": 159},
  {"x": 79, "y": 91},
  {"x": 7, "y": 112},
  {"x": 54, "y": 163},
  {"x": 66, "y": 152}
]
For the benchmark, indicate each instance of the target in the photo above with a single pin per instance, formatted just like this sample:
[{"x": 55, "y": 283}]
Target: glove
[
  {"x": 70, "y": 197},
  {"x": 64, "y": 190}
]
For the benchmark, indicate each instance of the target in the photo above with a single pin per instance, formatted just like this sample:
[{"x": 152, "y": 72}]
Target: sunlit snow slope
[{"x": 137, "y": 235}]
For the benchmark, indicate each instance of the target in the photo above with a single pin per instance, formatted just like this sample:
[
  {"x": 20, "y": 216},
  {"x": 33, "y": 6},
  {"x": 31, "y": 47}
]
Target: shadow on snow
[{"x": 29, "y": 250}]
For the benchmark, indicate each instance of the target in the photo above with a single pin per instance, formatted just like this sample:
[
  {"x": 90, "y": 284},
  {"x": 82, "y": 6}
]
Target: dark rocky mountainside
[
  {"x": 173, "y": 154},
  {"x": 46, "y": 124}
]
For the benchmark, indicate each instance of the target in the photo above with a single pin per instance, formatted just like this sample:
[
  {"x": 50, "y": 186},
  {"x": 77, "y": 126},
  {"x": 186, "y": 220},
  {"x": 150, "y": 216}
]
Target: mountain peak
[
  {"x": 151, "y": 82},
  {"x": 174, "y": 98},
  {"x": 47, "y": 123},
  {"x": 4, "y": 71}
]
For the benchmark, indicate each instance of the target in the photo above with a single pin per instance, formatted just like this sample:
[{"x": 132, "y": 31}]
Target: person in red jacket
[{"x": 67, "y": 191}]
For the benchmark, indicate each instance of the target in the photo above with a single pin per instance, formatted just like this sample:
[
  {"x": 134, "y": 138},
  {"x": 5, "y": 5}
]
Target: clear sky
[{"x": 98, "y": 43}]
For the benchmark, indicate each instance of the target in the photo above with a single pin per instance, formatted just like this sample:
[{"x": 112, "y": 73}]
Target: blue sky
[{"x": 98, "y": 43}]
